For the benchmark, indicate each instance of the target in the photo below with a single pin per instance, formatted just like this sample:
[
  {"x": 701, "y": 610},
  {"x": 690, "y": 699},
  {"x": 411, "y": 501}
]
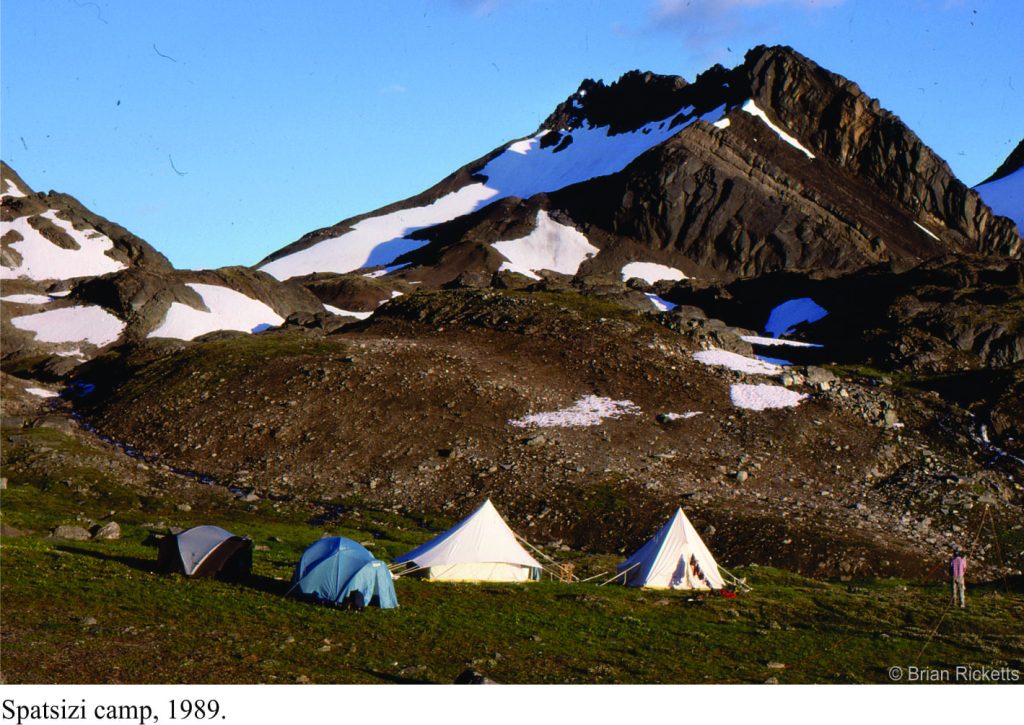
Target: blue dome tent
[{"x": 333, "y": 568}]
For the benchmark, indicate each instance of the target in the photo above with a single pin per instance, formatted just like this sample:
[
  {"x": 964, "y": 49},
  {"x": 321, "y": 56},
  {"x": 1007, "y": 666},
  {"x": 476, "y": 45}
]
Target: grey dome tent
[{"x": 206, "y": 551}]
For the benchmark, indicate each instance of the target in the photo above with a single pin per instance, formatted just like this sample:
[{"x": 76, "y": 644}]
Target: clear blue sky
[{"x": 221, "y": 130}]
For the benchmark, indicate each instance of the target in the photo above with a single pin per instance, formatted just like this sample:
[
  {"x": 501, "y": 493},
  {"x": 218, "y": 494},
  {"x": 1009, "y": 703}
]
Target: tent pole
[
  {"x": 573, "y": 577},
  {"x": 621, "y": 573}
]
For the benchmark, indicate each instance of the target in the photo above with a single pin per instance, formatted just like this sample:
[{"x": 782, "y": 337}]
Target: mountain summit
[{"x": 776, "y": 164}]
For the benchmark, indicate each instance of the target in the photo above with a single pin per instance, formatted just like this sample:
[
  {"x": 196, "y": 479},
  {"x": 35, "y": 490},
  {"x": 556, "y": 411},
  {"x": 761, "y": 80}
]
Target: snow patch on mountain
[
  {"x": 1005, "y": 197},
  {"x": 523, "y": 169},
  {"x": 530, "y": 169},
  {"x": 734, "y": 361},
  {"x": 41, "y": 392},
  {"x": 28, "y": 299},
  {"x": 12, "y": 189},
  {"x": 650, "y": 272},
  {"x": 775, "y": 341},
  {"x": 587, "y": 411},
  {"x": 681, "y": 416},
  {"x": 42, "y": 259},
  {"x": 927, "y": 231},
  {"x": 347, "y": 313},
  {"x": 229, "y": 310},
  {"x": 662, "y": 305},
  {"x": 387, "y": 270},
  {"x": 550, "y": 245},
  {"x": 753, "y": 109},
  {"x": 785, "y": 317},
  {"x": 82, "y": 323},
  {"x": 378, "y": 240},
  {"x": 764, "y": 397}
]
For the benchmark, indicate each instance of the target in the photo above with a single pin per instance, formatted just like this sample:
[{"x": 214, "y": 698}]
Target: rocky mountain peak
[{"x": 636, "y": 98}]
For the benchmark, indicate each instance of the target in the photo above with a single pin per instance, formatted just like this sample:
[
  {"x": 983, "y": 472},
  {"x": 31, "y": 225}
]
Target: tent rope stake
[{"x": 565, "y": 570}]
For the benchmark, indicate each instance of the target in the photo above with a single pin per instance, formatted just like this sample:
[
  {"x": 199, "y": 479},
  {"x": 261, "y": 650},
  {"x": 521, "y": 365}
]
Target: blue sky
[{"x": 221, "y": 131}]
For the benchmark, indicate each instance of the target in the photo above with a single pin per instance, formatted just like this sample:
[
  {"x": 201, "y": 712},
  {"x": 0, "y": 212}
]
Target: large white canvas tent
[
  {"x": 481, "y": 547},
  {"x": 674, "y": 558}
]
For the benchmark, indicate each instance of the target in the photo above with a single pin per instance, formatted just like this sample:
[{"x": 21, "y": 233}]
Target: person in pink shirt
[{"x": 957, "y": 569}]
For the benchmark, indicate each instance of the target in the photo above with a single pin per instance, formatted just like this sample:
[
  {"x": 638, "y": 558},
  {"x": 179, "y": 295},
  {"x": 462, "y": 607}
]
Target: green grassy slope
[{"x": 95, "y": 611}]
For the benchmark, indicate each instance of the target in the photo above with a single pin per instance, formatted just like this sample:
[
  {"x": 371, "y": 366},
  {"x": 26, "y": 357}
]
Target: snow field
[
  {"x": 229, "y": 310},
  {"x": 550, "y": 245},
  {"x": 42, "y": 259},
  {"x": 763, "y": 396},
  {"x": 587, "y": 411},
  {"x": 650, "y": 272},
  {"x": 733, "y": 361},
  {"x": 785, "y": 317},
  {"x": 1005, "y": 197},
  {"x": 82, "y": 323}
]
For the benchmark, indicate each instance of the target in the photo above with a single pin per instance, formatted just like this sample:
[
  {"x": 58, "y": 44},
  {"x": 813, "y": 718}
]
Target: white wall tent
[
  {"x": 674, "y": 558},
  {"x": 481, "y": 547}
]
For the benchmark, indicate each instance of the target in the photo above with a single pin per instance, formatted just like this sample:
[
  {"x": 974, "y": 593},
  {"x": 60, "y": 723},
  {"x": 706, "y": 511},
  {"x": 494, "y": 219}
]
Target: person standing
[{"x": 957, "y": 569}]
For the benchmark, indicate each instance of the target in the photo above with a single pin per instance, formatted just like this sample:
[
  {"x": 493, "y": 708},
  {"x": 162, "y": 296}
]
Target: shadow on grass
[
  {"x": 265, "y": 584},
  {"x": 146, "y": 565},
  {"x": 252, "y": 581},
  {"x": 398, "y": 679}
]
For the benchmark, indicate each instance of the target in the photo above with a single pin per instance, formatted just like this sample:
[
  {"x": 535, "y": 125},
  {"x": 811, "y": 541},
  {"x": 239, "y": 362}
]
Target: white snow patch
[
  {"x": 229, "y": 310},
  {"x": 926, "y": 231},
  {"x": 662, "y": 305},
  {"x": 523, "y": 146},
  {"x": 1005, "y": 197},
  {"x": 550, "y": 245},
  {"x": 347, "y": 313},
  {"x": 682, "y": 416},
  {"x": 41, "y": 392},
  {"x": 27, "y": 299},
  {"x": 83, "y": 323},
  {"x": 650, "y": 272},
  {"x": 785, "y": 317},
  {"x": 722, "y": 123},
  {"x": 774, "y": 360},
  {"x": 61, "y": 293},
  {"x": 733, "y": 361},
  {"x": 589, "y": 410},
  {"x": 386, "y": 270},
  {"x": 773, "y": 341},
  {"x": 42, "y": 259},
  {"x": 523, "y": 169},
  {"x": 12, "y": 189},
  {"x": 752, "y": 108},
  {"x": 764, "y": 397},
  {"x": 70, "y": 353},
  {"x": 378, "y": 240}
]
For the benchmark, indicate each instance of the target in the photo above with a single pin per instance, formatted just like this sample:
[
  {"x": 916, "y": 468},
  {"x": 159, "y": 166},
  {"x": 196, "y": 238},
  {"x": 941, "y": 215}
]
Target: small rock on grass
[
  {"x": 71, "y": 533},
  {"x": 110, "y": 530}
]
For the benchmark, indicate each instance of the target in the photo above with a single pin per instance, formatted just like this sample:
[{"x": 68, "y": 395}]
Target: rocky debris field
[{"x": 421, "y": 410}]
